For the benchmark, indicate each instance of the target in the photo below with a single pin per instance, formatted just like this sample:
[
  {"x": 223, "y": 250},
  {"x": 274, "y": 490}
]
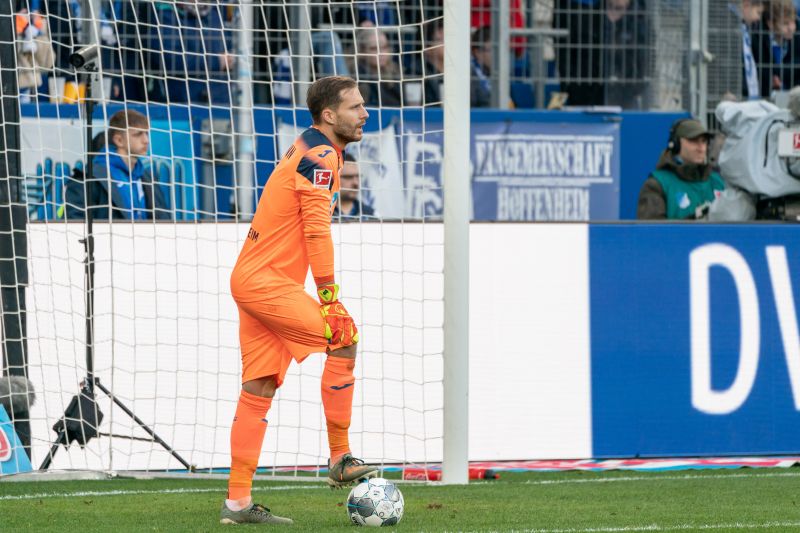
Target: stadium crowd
[{"x": 181, "y": 52}]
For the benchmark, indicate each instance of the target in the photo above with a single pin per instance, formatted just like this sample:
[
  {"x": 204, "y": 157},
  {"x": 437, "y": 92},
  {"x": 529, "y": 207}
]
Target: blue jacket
[
  {"x": 358, "y": 212},
  {"x": 128, "y": 194},
  {"x": 787, "y": 69}
]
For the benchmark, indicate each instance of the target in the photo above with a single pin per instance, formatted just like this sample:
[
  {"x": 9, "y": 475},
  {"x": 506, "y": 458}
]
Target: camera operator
[{"x": 684, "y": 185}]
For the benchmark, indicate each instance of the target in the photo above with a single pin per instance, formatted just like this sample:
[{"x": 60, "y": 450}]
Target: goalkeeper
[{"x": 278, "y": 320}]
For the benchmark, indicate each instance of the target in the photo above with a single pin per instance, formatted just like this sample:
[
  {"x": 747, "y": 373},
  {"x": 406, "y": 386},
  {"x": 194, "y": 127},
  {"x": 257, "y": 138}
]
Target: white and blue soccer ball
[{"x": 375, "y": 502}]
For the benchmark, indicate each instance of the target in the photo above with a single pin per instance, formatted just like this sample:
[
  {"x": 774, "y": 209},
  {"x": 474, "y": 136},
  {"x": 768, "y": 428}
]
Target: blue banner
[
  {"x": 529, "y": 171},
  {"x": 420, "y": 140},
  {"x": 172, "y": 163},
  {"x": 527, "y": 165},
  {"x": 694, "y": 340},
  {"x": 422, "y": 151},
  {"x": 521, "y": 171}
]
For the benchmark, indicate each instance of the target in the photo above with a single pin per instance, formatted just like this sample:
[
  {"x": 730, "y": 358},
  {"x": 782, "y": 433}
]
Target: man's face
[
  {"x": 784, "y": 28},
  {"x": 350, "y": 181},
  {"x": 483, "y": 55},
  {"x": 752, "y": 11},
  {"x": 351, "y": 115},
  {"x": 376, "y": 50},
  {"x": 434, "y": 50},
  {"x": 617, "y": 8},
  {"x": 135, "y": 141},
  {"x": 694, "y": 151}
]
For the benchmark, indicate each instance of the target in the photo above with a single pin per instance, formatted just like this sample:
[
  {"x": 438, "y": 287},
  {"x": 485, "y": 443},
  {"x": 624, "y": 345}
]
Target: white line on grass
[
  {"x": 320, "y": 486},
  {"x": 140, "y": 492},
  {"x": 677, "y": 527},
  {"x": 647, "y": 478}
]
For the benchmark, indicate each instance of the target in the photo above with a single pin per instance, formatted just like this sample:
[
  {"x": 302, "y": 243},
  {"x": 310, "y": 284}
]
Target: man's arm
[
  {"x": 316, "y": 174},
  {"x": 314, "y": 180},
  {"x": 651, "y": 201}
]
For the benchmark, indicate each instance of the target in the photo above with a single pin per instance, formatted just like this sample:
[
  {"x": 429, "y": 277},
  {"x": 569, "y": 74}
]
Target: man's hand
[
  {"x": 339, "y": 325},
  {"x": 227, "y": 61}
]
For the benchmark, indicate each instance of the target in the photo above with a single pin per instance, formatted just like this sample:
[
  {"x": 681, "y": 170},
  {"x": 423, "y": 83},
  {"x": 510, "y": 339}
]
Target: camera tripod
[{"x": 82, "y": 417}]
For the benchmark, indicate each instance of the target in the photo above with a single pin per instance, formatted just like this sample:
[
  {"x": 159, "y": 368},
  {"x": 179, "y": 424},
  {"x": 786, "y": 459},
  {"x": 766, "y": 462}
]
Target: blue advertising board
[{"x": 694, "y": 340}]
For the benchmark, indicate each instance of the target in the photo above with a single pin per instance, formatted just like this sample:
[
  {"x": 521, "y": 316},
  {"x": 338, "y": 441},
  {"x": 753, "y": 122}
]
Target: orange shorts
[{"x": 274, "y": 331}]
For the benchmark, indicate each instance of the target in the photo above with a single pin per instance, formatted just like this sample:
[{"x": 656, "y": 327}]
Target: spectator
[
  {"x": 750, "y": 13},
  {"x": 74, "y": 195},
  {"x": 433, "y": 66},
  {"x": 195, "y": 48},
  {"x": 481, "y": 17},
  {"x": 683, "y": 186},
  {"x": 605, "y": 61},
  {"x": 776, "y": 48},
  {"x": 120, "y": 33},
  {"x": 34, "y": 52},
  {"x": 481, "y": 86},
  {"x": 120, "y": 187},
  {"x": 350, "y": 208},
  {"x": 64, "y": 26},
  {"x": 378, "y": 72}
]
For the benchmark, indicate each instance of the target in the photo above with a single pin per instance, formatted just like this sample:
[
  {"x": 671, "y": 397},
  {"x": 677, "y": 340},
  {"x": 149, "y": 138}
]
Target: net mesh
[{"x": 221, "y": 89}]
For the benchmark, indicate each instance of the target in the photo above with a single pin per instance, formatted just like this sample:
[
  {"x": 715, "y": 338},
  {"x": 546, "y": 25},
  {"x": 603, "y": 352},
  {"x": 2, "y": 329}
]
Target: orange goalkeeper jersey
[{"x": 291, "y": 229}]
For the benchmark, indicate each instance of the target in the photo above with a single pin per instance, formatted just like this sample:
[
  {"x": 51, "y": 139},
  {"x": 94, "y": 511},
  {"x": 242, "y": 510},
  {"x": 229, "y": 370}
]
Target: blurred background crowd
[{"x": 635, "y": 54}]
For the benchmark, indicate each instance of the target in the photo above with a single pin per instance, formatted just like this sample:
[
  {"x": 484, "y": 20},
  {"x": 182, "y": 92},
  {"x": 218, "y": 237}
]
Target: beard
[{"x": 349, "y": 135}]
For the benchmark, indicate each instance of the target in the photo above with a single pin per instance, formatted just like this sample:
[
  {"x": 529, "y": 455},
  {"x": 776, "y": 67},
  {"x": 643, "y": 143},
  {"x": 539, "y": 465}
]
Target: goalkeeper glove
[
  {"x": 328, "y": 293},
  {"x": 339, "y": 325}
]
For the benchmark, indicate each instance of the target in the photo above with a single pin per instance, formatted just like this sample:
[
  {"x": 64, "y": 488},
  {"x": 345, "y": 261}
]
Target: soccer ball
[{"x": 375, "y": 502}]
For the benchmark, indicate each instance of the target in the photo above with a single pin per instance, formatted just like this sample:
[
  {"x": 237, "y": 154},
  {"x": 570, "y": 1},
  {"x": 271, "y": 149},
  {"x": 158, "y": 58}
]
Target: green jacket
[{"x": 682, "y": 197}]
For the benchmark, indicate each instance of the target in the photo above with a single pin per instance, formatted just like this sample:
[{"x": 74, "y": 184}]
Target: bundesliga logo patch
[{"x": 323, "y": 178}]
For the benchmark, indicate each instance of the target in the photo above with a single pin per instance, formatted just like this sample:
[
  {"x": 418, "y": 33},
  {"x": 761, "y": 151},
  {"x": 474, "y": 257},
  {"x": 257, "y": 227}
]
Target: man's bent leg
[
  {"x": 337, "y": 400},
  {"x": 296, "y": 319}
]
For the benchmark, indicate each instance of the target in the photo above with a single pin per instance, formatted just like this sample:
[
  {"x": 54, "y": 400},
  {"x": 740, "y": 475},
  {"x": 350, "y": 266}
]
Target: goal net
[{"x": 149, "y": 319}]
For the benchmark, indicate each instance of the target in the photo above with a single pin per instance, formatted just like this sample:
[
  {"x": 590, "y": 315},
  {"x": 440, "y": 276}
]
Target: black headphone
[{"x": 674, "y": 144}]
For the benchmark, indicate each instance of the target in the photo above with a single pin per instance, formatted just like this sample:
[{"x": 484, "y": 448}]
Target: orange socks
[
  {"x": 337, "y": 401},
  {"x": 247, "y": 436},
  {"x": 250, "y": 425}
]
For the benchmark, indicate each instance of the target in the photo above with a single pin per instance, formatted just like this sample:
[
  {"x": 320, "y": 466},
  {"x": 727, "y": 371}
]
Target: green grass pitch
[{"x": 572, "y": 502}]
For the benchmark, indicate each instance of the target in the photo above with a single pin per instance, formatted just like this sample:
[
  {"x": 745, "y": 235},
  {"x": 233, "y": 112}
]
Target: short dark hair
[
  {"x": 350, "y": 158},
  {"x": 481, "y": 36},
  {"x": 780, "y": 10},
  {"x": 327, "y": 93},
  {"x": 124, "y": 119}
]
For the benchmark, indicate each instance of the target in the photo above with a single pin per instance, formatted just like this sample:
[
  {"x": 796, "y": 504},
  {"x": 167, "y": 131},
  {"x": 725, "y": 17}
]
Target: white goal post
[{"x": 457, "y": 202}]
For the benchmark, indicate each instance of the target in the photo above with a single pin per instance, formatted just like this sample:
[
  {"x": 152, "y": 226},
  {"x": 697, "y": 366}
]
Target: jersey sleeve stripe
[{"x": 309, "y": 166}]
